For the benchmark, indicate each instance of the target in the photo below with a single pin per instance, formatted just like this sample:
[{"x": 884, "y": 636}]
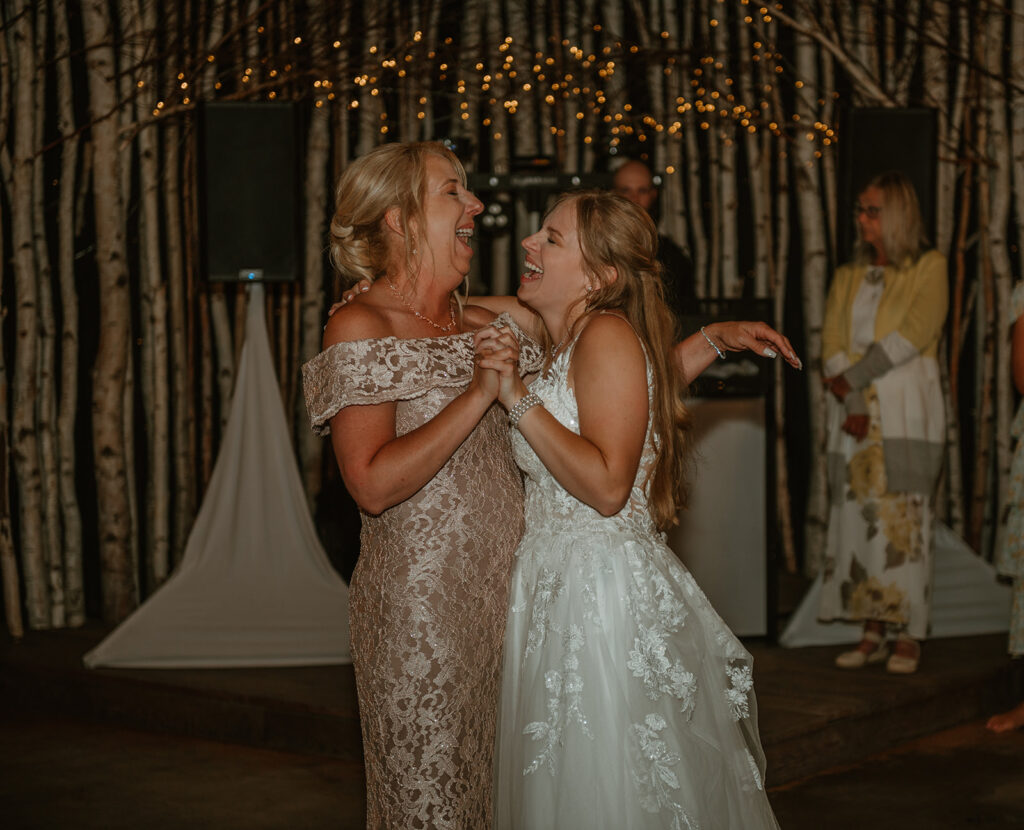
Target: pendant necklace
[{"x": 451, "y": 311}]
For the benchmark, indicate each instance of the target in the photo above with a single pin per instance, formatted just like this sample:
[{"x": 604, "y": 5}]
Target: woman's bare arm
[
  {"x": 380, "y": 468},
  {"x": 694, "y": 354}
]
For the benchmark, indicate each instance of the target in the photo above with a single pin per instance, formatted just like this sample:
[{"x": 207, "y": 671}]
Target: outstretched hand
[{"x": 755, "y": 336}]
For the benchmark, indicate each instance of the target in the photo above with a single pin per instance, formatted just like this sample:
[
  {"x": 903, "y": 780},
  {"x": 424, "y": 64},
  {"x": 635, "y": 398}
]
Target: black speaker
[
  {"x": 874, "y": 140},
  {"x": 250, "y": 208}
]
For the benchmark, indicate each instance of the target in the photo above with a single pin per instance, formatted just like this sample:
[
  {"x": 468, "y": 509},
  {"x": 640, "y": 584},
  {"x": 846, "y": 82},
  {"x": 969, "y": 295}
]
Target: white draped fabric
[
  {"x": 966, "y": 600},
  {"x": 254, "y": 587}
]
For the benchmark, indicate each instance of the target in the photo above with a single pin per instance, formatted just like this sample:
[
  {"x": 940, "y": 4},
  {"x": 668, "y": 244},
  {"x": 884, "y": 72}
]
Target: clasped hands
[
  {"x": 855, "y": 425},
  {"x": 497, "y": 364}
]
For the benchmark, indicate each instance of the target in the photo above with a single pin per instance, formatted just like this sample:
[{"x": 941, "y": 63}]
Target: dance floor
[{"x": 812, "y": 716}]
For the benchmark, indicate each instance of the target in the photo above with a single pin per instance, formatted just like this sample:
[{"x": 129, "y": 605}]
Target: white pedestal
[{"x": 722, "y": 536}]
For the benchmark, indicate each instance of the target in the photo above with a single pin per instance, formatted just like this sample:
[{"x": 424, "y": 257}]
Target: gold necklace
[{"x": 451, "y": 311}]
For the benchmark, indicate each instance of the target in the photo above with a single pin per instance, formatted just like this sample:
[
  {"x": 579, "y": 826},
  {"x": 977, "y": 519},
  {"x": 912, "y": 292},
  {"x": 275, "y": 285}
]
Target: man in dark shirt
[{"x": 634, "y": 181}]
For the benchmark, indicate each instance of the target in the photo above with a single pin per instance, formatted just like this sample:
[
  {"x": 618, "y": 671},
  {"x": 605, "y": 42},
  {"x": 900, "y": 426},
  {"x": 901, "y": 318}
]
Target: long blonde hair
[
  {"x": 615, "y": 233},
  {"x": 389, "y": 176},
  {"x": 903, "y": 235}
]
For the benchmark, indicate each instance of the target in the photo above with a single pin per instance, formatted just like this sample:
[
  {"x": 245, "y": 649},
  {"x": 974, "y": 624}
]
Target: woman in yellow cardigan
[{"x": 886, "y": 423}]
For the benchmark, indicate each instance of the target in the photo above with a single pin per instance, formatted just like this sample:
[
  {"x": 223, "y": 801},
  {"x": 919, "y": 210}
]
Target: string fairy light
[{"x": 585, "y": 81}]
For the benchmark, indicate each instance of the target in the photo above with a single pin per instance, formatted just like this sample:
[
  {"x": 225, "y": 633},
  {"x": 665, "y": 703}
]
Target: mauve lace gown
[{"x": 429, "y": 593}]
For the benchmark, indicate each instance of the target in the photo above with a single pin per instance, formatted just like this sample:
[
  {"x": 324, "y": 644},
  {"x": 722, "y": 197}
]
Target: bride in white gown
[{"x": 626, "y": 702}]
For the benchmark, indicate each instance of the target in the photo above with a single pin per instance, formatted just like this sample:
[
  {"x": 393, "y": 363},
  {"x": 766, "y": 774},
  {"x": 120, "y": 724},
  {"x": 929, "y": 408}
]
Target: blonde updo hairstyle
[
  {"x": 615, "y": 233},
  {"x": 389, "y": 176}
]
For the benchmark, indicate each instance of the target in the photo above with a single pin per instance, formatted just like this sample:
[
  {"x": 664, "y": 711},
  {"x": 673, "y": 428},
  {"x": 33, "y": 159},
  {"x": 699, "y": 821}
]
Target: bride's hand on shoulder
[{"x": 360, "y": 287}]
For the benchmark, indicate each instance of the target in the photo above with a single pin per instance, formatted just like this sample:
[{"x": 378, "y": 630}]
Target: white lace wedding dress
[{"x": 626, "y": 702}]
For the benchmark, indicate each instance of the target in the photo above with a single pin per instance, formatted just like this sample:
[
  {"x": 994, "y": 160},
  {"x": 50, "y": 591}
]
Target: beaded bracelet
[
  {"x": 718, "y": 351},
  {"x": 524, "y": 403}
]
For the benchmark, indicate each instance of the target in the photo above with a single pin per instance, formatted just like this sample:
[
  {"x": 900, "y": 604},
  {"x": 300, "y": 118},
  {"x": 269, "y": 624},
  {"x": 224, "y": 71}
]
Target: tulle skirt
[{"x": 626, "y": 702}]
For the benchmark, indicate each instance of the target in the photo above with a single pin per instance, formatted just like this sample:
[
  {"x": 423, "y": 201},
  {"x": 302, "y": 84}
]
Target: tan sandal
[
  {"x": 902, "y": 663},
  {"x": 859, "y": 657}
]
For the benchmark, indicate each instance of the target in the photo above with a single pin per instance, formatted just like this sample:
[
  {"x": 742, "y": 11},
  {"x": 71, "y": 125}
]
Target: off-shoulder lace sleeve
[
  {"x": 382, "y": 370},
  {"x": 394, "y": 369}
]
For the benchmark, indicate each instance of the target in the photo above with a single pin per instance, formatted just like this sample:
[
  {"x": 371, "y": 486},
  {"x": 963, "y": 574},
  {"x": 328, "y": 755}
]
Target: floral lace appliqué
[
  {"x": 653, "y": 772},
  {"x": 755, "y": 773},
  {"x": 565, "y": 704},
  {"x": 648, "y": 661},
  {"x": 549, "y": 589},
  {"x": 741, "y": 681}
]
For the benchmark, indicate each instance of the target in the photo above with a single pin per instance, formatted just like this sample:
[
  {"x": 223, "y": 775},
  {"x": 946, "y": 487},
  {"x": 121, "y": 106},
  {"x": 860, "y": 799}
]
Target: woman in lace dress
[
  {"x": 626, "y": 702},
  {"x": 423, "y": 449},
  {"x": 886, "y": 427}
]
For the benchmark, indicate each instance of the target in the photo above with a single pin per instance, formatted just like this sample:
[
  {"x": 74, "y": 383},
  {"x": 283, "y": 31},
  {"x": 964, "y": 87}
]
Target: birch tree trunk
[
  {"x": 985, "y": 353},
  {"x": 694, "y": 180},
  {"x": 318, "y": 147},
  {"x": 909, "y": 20},
  {"x": 759, "y": 167},
  {"x": 728, "y": 239},
  {"x": 206, "y": 399},
  {"x": 501, "y": 282},
  {"x": 833, "y": 209},
  {"x": 117, "y": 572},
  {"x": 936, "y": 29},
  {"x": 130, "y": 55},
  {"x": 369, "y": 101},
  {"x": 67, "y": 406},
  {"x": 184, "y": 472},
  {"x": 780, "y": 274},
  {"x": 808, "y": 187},
  {"x": 524, "y": 121},
  {"x": 219, "y": 316},
  {"x": 8, "y": 558},
  {"x": 1016, "y": 95},
  {"x": 24, "y": 444},
  {"x": 182, "y": 420},
  {"x": 777, "y": 254},
  {"x": 8, "y": 555},
  {"x": 426, "y": 96},
  {"x": 46, "y": 413},
  {"x": 153, "y": 322},
  {"x": 1000, "y": 176},
  {"x": 673, "y": 191},
  {"x": 590, "y": 116}
]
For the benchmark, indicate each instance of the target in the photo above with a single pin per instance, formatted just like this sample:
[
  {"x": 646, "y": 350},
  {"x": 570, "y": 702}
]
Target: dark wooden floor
[{"x": 812, "y": 716}]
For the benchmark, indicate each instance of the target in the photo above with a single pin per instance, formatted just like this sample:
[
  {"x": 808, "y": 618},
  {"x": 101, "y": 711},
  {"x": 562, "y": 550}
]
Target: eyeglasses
[{"x": 873, "y": 211}]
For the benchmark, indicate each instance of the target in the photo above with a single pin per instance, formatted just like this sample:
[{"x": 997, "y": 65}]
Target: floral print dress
[
  {"x": 878, "y": 559},
  {"x": 1010, "y": 554}
]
